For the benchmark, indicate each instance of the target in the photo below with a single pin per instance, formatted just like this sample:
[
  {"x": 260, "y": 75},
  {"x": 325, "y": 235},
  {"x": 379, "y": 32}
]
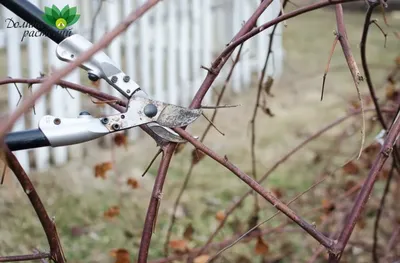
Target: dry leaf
[
  {"x": 121, "y": 255},
  {"x": 120, "y": 139},
  {"x": 179, "y": 245},
  {"x": 361, "y": 223},
  {"x": 261, "y": 247},
  {"x": 350, "y": 168},
  {"x": 179, "y": 148},
  {"x": 101, "y": 169},
  {"x": 328, "y": 206},
  {"x": 188, "y": 234},
  {"x": 96, "y": 83},
  {"x": 277, "y": 192},
  {"x": 197, "y": 156},
  {"x": 111, "y": 212},
  {"x": 243, "y": 259},
  {"x": 220, "y": 216},
  {"x": 201, "y": 259},
  {"x": 133, "y": 183},
  {"x": 390, "y": 91},
  {"x": 268, "y": 85}
]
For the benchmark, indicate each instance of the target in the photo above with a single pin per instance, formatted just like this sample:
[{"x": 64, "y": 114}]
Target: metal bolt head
[
  {"x": 104, "y": 120},
  {"x": 150, "y": 110},
  {"x": 93, "y": 77},
  {"x": 127, "y": 78},
  {"x": 116, "y": 126},
  {"x": 128, "y": 91},
  {"x": 57, "y": 121},
  {"x": 114, "y": 79},
  {"x": 84, "y": 113}
]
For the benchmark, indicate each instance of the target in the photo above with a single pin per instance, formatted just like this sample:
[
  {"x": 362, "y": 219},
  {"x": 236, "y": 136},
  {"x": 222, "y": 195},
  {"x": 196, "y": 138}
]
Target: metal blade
[
  {"x": 174, "y": 116},
  {"x": 165, "y": 133}
]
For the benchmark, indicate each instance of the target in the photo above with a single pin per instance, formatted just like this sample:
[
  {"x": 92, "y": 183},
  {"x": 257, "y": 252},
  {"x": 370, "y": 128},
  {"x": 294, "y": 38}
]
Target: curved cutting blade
[{"x": 174, "y": 116}]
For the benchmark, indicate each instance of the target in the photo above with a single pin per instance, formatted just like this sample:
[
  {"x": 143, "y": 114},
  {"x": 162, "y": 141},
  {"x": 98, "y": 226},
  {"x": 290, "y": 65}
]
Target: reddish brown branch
[
  {"x": 351, "y": 62},
  {"x": 155, "y": 201},
  {"x": 83, "y": 89},
  {"x": 282, "y": 160},
  {"x": 269, "y": 196},
  {"x": 259, "y": 29},
  {"x": 170, "y": 147},
  {"x": 188, "y": 175},
  {"x": 24, "y": 257},
  {"x": 365, "y": 191},
  {"x": 48, "y": 225},
  {"x": 217, "y": 65}
]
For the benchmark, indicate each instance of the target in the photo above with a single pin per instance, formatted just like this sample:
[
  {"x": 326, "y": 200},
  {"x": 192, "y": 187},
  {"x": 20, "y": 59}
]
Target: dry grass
[{"x": 78, "y": 200}]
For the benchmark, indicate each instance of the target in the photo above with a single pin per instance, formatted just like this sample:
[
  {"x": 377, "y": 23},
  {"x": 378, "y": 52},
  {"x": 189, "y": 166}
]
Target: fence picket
[
  {"x": 130, "y": 55},
  {"x": 207, "y": 32},
  {"x": 173, "y": 94},
  {"x": 184, "y": 43},
  {"x": 35, "y": 64},
  {"x": 144, "y": 47},
  {"x": 195, "y": 52},
  {"x": 159, "y": 53},
  {"x": 14, "y": 71},
  {"x": 163, "y": 52},
  {"x": 236, "y": 25}
]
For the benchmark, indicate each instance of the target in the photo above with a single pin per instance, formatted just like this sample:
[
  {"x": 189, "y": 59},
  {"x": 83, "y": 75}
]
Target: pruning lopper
[{"x": 159, "y": 117}]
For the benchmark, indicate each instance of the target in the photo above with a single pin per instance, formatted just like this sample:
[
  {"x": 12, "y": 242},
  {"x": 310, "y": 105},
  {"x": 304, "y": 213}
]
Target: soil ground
[{"x": 77, "y": 199}]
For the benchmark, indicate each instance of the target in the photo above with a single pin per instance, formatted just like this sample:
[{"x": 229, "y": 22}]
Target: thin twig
[
  {"x": 36, "y": 256},
  {"x": 267, "y": 195},
  {"x": 328, "y": 65},
  {"x": 351, "y": 62},
  {"x": 189, "y": 173},
  {"x": 47, "y": 224},
  {"x": 365, "y": 191},
  {"x": 379, "y": 213},
  {"x": 282, "y": 160}
]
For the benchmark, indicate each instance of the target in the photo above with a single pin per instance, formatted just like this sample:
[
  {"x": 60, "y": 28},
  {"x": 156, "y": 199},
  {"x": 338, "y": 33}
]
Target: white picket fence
[{"x": 163, "y": 52}]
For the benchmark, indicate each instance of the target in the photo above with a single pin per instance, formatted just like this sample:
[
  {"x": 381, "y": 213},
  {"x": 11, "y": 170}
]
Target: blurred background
[{"x": 163, "y": 52}]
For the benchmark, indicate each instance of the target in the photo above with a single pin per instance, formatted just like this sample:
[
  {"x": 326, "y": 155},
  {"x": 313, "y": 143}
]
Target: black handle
[
  {"x": 33, "y": 15},
  {"x": 28, "y": 139}
]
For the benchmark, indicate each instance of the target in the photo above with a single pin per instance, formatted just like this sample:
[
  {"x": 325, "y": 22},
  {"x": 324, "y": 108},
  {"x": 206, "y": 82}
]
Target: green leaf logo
[{"x": 60, "y": 18}]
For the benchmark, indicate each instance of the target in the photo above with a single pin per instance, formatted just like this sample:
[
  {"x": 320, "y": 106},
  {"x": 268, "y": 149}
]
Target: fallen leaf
[
  {"x": 201, "y": 259},
  {"x": 179, "y": 245},
  {"x": 111, "y": 212},
  {"x": 390, "y": 91},
  {"x": 188, "y": 234},
  {"x": 351, "y": 168},
  {"x": 220, "y": 215},
  {"x": 261, "y": 247},
  {"x": 197, "y": 156},
  {"x": 328, "y": 206},
  {"x": 277, "y": 192},
  {"x": 96, "y": 83},
  {"x": 268, "y": 85},
  {"x": 179, "y": 148},
  {"x": 133, "y": 183},
  {"x": 361, "y": 223},
  {"x": 121, "y": 255},
  {"x": 120, "y": 139},
  {"x": 243, "y": 259},
  {"x": 101, "y": 169}
]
